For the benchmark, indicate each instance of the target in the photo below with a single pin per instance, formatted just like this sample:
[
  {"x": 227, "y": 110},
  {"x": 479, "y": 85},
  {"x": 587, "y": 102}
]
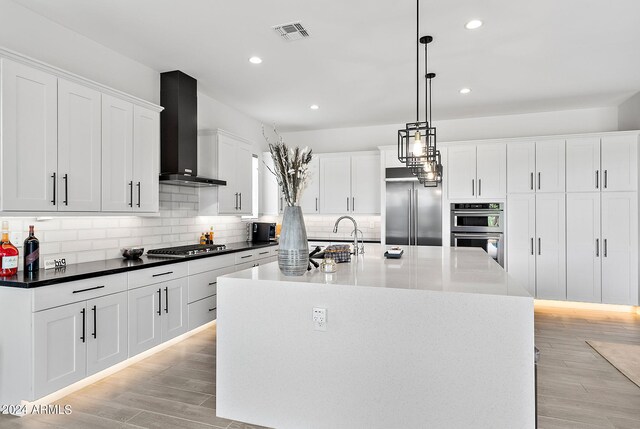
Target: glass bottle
[
  {"x": 8, "y": 254},
  {"x": 31, "y": 251}
]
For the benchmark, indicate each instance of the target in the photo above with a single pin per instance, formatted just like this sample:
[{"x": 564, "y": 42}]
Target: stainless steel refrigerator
[{"x": 414, "y": 212}]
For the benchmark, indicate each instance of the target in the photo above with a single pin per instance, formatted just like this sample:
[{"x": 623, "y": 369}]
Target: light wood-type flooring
[{"x": 174, "y": 389}]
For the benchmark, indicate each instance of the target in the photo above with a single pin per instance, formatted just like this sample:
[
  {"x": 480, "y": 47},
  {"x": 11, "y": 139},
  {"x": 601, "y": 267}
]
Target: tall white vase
[{"x": 293, "y": 252}]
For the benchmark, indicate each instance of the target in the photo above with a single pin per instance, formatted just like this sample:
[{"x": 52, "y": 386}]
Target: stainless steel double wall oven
[{"x": 479, "y": 225}]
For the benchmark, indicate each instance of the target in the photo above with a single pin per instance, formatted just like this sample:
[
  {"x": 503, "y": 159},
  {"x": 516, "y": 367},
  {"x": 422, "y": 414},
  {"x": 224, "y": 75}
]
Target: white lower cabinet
[
  {"x": 203, "y": 311},
  {"x": 583, "y": 247},
  {"x": 619, "y": 248},
  {"x": 521, "y": 233},
  {"x": 174, "y": 315},
  {"x": 550, "y": 247},
  {"x": 106, "y": 332}
]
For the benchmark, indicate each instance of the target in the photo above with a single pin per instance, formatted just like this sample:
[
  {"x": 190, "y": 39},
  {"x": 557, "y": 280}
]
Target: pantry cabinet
[
  {"x": 29, "y": 138},
  {"x": 477, "y": 171},
  {"x": 521, "y": 233},
  {"x": 550, "y": 246}
]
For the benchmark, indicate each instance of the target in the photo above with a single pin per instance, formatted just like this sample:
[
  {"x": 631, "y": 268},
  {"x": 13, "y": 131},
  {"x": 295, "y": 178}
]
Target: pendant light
[{"x": 417, "y": 141}]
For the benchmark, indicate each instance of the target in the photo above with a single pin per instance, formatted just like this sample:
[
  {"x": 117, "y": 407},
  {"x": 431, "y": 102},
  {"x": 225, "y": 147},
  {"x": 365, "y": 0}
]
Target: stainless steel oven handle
[
  {"x": 477, "y": 235},
  {"x": 477, "y": 212}
]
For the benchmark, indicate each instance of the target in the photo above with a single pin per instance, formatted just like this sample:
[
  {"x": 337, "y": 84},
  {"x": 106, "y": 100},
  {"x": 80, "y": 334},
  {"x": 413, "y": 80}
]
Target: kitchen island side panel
[{"x": 389, "y": 357}]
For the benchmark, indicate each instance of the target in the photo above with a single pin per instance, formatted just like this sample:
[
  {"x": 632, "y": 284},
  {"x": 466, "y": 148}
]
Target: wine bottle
[
  {"x": 8, "y": 254},
  {"x": 31, "y": 251}
]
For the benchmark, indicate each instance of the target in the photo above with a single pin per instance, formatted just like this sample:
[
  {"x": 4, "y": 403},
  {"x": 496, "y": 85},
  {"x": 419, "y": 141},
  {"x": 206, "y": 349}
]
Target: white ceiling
[{"x": 359, "y": 63}]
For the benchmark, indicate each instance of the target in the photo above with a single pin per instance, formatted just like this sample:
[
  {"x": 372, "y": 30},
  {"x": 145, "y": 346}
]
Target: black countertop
[
  {"x": 110, "y": 266},
  {"x": 343, "y": 240}
]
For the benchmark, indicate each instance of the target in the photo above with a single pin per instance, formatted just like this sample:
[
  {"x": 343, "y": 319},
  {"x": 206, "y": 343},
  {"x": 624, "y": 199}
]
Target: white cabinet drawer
[
  {"x": 160, "y": 274},
  {"x": 203, "y": 311},
  {"x": 274, "y": 251},
  {"x": 211, "y": 263},
  {"x": 243, "y": 257},
  {"x": 205, "y": 284},
  {"x": 80, "y": 290}
]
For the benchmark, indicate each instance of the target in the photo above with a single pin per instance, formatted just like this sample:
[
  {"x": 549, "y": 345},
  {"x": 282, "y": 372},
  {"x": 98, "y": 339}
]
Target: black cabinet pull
[
  {"x": 597, "y": 179},
  {"x": 84, "y": 324},
  {"x": 597, "y": 247},
  {"x": 240, "y": 206},
  {"x": 212, "y": 283},
  {"x": 531, "y": 181},
  {"x": 53, "y": 201},
  {"x": 211, "y": 309},
  {"x": 95, "y": 321},
  {"x": 532, "y": 245},
  {"x": 166, "y": 299},
  {"x": 162, "y": 274},
  {"x": 159, "y": 302},
  {"x": 263, "y": 253},
  {"x": 473, "y": 187},
  {"x": 539, "y": 247},
  {"x": 353, "y": 204},
  {"x": 236, "y": 207},
  {"x": 139, "y": 185},
  {"x": 316, "y": 204},
  {"x": 246, "y": 256},
  {"x": 347, "y": 203},
  {"x": 66, "y": 189},
  {"x": 88, "y": 289},
  {"x": 605, "y": 248},
  {"x": 605, "y": 179},
  {"x": 538, "y": 180},
  {"x": 131, "y": 194}
]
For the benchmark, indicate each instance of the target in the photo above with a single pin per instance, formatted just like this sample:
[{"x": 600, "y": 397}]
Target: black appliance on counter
[
  {"x": 263, "y": 232},
  {"x": 185, "y": 251}
]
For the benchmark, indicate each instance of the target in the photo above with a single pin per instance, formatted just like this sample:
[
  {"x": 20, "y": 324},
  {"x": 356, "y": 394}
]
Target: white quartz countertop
[{"x": 446, "y": 269}]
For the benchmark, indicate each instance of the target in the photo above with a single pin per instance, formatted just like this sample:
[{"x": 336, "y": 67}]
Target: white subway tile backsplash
[{"x": 92, "y": 234}]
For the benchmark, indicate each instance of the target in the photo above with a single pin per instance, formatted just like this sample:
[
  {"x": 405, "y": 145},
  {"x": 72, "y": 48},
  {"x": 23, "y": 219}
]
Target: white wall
[
  {"x": 524, "y": 125},
  {"x": 629, "y": 114},
  {"x": 30, "y": 34}
]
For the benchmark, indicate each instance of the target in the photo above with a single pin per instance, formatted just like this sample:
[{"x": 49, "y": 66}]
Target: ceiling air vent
[{"x": 292, "y": 31}]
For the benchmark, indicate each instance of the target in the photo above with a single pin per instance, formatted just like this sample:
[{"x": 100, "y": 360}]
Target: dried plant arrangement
[{"x": 291, "y": 168}]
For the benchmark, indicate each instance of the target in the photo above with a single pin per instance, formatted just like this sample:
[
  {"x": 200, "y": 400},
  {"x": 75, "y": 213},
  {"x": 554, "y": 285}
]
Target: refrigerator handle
[
  {"x": 415, "y": 215},
  {"x": 410, "y": 210}
]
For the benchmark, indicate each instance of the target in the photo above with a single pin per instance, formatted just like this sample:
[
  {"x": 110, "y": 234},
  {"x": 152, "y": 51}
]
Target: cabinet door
[
  {"x": 244, "y": 178},
  {"x": 521, "y": 167},
  {"x": 550, "y": 166},
  {"x": 29, "y": 138},
  {"x": 335, "y": 184},
  {"x": 60, "y": 348},
  {"x": 365, "y": 184},
  {"x": 491, "y": 165},
  {"x": 521, "y": 233},
  {"x": 227, "y": 195},
  {"x": 146, "y": 159},
  {"x": 269, "y": 189},
  {"x": 583, "y": 164},
  {"x": 79, "y": 147},
  {"x": 583, "y": 247},
  {"x": 175, "y": 316},
  {"x": 106, "y": 332},
  {"x": 550, "y": 247},
  {"x": 461, "y": 172},
  {"x": 117, "y": 155},
  {"x": 311, "y": 197},
  {"x": 620, "y": 248},
  {"x": 145, "y": 329},
  {"x": 620, "y": 163}
]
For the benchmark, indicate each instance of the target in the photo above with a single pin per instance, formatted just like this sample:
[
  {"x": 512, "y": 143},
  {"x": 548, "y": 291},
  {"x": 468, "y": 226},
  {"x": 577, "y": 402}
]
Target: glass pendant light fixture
[{"x": 417, "y": 141}]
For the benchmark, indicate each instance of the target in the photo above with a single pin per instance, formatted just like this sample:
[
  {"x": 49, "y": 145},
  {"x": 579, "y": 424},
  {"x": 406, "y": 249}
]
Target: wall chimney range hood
[{"x": 179, "y": 132}]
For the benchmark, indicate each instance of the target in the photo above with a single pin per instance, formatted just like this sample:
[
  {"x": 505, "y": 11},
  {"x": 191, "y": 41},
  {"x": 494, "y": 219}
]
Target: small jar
[{"x": 328, "y": 265}]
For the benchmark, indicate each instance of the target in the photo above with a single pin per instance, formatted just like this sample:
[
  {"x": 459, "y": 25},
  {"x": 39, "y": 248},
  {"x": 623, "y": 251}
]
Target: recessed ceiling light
[
  {"x": 314, "y": 107},
  {"x": 255, "y": 60},
  {"x": 473, "y": 24},
  {"x": 465, "y": 90}
]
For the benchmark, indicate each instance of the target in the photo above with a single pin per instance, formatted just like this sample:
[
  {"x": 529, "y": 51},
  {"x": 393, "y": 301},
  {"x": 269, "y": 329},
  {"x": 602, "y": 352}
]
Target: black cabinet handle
[
  {"x": 605, "y": 248},
  {"x": 531, "y": 181},
  {"x": 240, "y": 206},
  {"x": 236, "y": 207},
  {"x": 166, "y": 299},
  {"x": 597, "y": 179},
  {"x": 84, "y": 324},
  {"x": 88, "y": 289},
  {"x": 95, "y": 321},
  {"x": 66, "y": 189},
  {"x": 532, "y": 245},
  {"x": 131, "y": 194},
  {"x": 539, "y": 247},
  {"x": 213, "y": 283},
  {"x": 353, "y": 204},
  {"x": 479, "y": 187},
  {"x": 316, "y": 204},
  {"x": 211, "y": 309},
  {"x": 597, "y": 247},
  {"x": 605, "y": 179},
  {"x": 53, "y": 201},
  {"x": 246, "y": 256},
  {"x": 538, "y": 180},
  {"x": 473, "y": 187},
  {"x": 139, "y": 185},
  {"x": 347, "y": 203},
  {"x": 159, "y": 302},
  {"x": 263, "y": 253},
  {"x": 162, "y": 274}
]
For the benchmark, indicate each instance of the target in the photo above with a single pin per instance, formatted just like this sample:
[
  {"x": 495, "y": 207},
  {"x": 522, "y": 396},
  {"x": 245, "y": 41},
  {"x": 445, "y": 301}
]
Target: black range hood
[{"x": 179, "y": 132}]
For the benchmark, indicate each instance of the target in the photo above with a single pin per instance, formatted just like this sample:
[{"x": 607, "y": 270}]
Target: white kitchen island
[{"x": 442, "y": 338}]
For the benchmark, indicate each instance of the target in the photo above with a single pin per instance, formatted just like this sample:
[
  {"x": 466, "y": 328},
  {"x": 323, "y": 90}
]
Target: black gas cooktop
[{"x": 185, "y": 251}]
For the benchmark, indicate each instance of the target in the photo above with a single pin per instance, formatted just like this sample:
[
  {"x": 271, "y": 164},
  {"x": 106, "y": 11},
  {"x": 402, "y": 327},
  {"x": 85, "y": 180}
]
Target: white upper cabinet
[
  {"x": 619, "y": 248},
  {"x": 521, "y": 234},
  {"x": 550, "y": 247},
  {"x": 583, "y": 164},
  {"x": 583, "y": 246},
  {"x": 461, "y": 171},
  {"x": 491, "y": 170},
  {"x": 620, "y": 162},
  {"x": 79, "y": 147},
  {"x": 365, "y": 183},
  {"x": 244, "y": 178},
  {"x": 521, "y": 167},
  {"x": 311, "y": 196},
  {"x": 550, "y": 166},
  {"x": 146, "y": 159},
  {"x": 117, "y": 155},
  {"x": 269, "y": 190},
  {"x": 335, "y": 184},
  {"x": 29, "y": 138}
]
